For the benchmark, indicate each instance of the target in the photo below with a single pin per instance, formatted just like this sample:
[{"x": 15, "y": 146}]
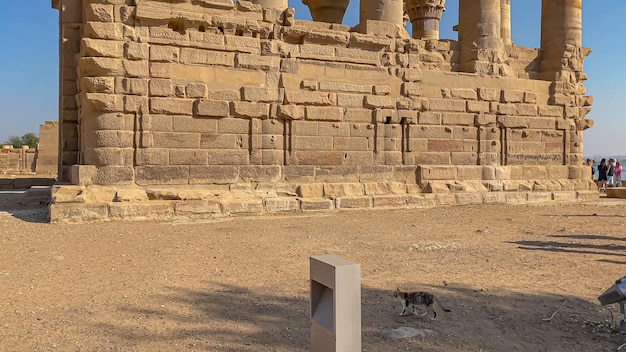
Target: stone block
[
  {"x": 357, "y": 56},
  {"x": 335, "y": 190},
  {"x": 387, "y": 117},
  {"x": 353, "y": 202},
  {"x": 312, "y": 190},
  {"x": 345, "y": 87},
  {"x": 101, "y": 30},
  {"x": 370, "y": 43},
  {"x": 251, "y": 110},
  {"x": 526, "y": 109},
  {"x": 310, "y": 98},
  {"x": 163, "y": 35},
  {"x": 197, "y": 208},
  {"x": 311, "y": 204},
  {"x": 102, "y": 48},
  {"x": 68, "y": 194},
  {"x": 317, "y": 113},
  {"x": 565, "y": 196},
  {"x": 224, "y": 94},
  {"x": 312, "y": 142},
  {"x": 266, "y": 173},
  {"x": 259, "y": 94},
  {"x": 98, "y": 84},
  {"x": 391, "y": 200},
  {"x": 206, "y": 57},
  {"x": 211, "y": 108},
  {"x": 478, "y": 107},
  {"x": 130, "y": 195},
  {"x": 183, "y": 124},
  {"x": 458, "y": 119},
  {"x": 463, "y": 93},
  {"x": 376, "y": 101},
  {"x": 530, "y": 97},
  {"x": 281, "y": 204},
  {"x": 101, "y": 103},
  {"x": 489, "y": 94},
  {"x": 136, "y": 68},
  {"x": 242, "y": 206},
  {"x": 494, "y": 197},
  {"x": 232, "y": 126},
  {"x": 159, "y": 87},
  {"x": 242, "y": 44},
  {"x": 512, "y": 96},
  {"x": 162, "y": 53},
  {"x": 382, "y": 89},
  {"x": 550, "y": 110},
  {"x": 468, "y": 198},
  {"x": 425, "y": 173},
  {"x": 100, "y": 66},
  {"x": 539, "y": 196},
  {"x": 412, "y": 75},
  {"x": 257, "y": 62},
  {"x": 132, "y": 86},
  {"x": 212, "y": 174},
  {"x": 437, "y": 104},
  {"x": 172, "y": 106},
  {"x": 98, "y": 13},
  {"x": 228, "y": 157},
  {"x": 411, "y": 89},
  {"x": 421, "y": 200},
  {"x": 587, "y": 195},
  {"x": 350, "y": 100},
  {"x": 196, "y": 90},
  {"x": 71, "y": 212},
  {"x": 187, "y": 157},
  {"x": 157, "y": 174},
  {"x": 152, "y": 210},
  {"x": 290, "y": 112}
]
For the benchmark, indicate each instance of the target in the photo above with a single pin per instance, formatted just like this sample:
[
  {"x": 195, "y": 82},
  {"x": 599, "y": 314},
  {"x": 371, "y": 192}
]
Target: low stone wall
[
  {"x": 325, "y": 191},
  {"x": 11, "y": 183},
  {"x": 17, "y": 161}
]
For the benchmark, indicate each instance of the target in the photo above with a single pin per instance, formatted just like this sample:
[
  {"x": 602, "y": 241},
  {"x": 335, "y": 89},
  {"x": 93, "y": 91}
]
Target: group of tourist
[{"x": 607, "y": 174}]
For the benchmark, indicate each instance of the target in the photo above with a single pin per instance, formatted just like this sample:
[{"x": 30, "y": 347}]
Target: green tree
[{"x": 29, "y": 139}]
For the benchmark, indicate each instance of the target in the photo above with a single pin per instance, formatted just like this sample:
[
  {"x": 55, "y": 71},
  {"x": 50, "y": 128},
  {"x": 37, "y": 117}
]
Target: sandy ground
[{"x": 243, "y": 284}]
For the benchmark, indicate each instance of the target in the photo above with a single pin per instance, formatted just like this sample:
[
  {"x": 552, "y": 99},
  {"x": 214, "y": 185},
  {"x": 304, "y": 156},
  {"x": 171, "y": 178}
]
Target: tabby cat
[{"x": 414, "y": 299}]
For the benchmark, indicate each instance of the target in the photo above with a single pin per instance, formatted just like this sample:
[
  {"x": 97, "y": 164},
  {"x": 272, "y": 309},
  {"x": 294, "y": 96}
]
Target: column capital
[{"x": 425, "y": 9}]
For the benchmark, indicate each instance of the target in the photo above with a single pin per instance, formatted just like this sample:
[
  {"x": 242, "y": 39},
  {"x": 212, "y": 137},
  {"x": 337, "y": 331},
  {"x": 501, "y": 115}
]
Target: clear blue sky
[{"x": 29, "y": 63}]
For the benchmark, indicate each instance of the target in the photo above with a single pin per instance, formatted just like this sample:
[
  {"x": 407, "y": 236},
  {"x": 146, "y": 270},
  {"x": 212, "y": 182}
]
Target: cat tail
[{"x": 440, "y": 305}]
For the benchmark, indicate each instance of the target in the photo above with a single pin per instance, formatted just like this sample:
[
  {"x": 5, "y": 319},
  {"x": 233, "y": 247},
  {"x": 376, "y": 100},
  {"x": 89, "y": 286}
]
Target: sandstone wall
[
  {"x": 15, "y": 161},
  {"x": 216, "y": 93},
  {"x": 47, "y": 157}
]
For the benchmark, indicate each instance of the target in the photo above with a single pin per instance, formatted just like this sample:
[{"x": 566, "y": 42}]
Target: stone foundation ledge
[{"x": 72, "y": 204}]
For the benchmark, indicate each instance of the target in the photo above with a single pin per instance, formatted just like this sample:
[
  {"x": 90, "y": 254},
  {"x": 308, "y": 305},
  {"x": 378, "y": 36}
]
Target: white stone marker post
[{"x": 335, "y": 304}]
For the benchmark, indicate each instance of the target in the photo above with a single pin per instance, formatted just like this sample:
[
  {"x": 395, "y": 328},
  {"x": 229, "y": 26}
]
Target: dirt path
[{"x": 242, "y": 284}]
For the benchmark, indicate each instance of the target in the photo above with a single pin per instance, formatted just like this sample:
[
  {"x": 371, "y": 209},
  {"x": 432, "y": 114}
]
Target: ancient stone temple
[{"x": 210, "y": 108}]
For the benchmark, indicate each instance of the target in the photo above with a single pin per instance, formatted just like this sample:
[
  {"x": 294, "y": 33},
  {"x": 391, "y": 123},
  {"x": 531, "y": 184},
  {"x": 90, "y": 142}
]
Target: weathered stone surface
[
  {"x": 213, "y": 92},
  {"x": 308, "y": 204}
]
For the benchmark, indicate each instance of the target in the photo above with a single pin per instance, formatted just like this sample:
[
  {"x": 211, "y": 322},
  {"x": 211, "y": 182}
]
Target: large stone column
[
  {"x": 505, "y": 22},
  {"x": 479, "y": 36},
  {"x": 561, "y": 33},
  {"x": 390, "y": 11},
  {"x": 70, "y": 25},
  {"x": 425, "y": 16}
]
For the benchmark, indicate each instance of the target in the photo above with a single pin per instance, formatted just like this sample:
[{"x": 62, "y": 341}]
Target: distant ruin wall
[
  {"x": 233, "y": 97},
  {"x": 15, "y": 161},
  {"x": 42, "y": 161}
]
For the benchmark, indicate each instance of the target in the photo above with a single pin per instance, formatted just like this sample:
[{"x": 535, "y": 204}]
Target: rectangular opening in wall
[{"x": 322, "y": 305}]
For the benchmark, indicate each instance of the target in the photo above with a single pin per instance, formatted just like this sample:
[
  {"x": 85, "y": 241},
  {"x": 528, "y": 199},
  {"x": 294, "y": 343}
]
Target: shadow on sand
[{"x": 233, "y": 318}]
